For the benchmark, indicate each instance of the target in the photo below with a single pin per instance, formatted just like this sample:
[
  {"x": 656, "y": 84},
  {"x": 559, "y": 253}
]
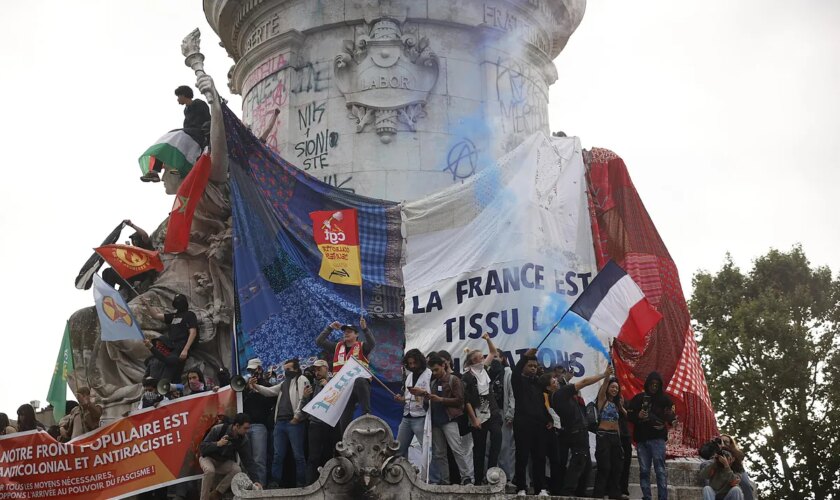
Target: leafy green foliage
[{"x": 770, "y": 345}]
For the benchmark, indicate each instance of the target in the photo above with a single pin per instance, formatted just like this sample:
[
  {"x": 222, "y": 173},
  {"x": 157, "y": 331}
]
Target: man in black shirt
[
  {"x": 651, "y": 412},
  {"x": 569, "y": 406},
  {"x": 173, "y": 349},
  {"x": 218, "y": 456},
  {"x": 530, "y": 419}
]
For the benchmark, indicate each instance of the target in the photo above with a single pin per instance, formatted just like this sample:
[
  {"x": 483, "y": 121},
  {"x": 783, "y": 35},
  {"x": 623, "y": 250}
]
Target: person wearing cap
[
  {"x": 259, "y": 410},
  {"x": 348, "y": 347},
  {"x": 322, "y": 436}
]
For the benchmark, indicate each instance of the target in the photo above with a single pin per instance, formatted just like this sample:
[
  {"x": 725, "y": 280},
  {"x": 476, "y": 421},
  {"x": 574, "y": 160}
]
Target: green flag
[{"x": 57, "y": 396}]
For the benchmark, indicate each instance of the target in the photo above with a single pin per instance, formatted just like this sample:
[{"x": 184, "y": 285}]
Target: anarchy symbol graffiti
[{"x": 462, "y": 159}]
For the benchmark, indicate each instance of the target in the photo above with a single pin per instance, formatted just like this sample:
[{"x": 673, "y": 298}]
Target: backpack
[{"x": 591, "y": 413}]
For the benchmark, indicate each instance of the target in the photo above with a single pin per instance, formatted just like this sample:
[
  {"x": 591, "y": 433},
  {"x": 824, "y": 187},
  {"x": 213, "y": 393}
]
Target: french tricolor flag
[{"x": 614, "y": 304}]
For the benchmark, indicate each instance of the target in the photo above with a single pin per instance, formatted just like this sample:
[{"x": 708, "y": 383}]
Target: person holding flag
[{"x": 350, "y": 347}]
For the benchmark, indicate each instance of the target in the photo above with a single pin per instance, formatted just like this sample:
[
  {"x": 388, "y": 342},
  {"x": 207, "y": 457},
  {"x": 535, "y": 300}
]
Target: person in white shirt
[{"x": 414, "y": 404}]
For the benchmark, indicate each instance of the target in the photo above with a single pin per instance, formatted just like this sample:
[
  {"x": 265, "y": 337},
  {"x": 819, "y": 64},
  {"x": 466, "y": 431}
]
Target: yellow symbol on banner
[
  {"x": 131, "y": 259},
  {"x": 332, "y": 398},
  {"x": 114, "y": 312}
]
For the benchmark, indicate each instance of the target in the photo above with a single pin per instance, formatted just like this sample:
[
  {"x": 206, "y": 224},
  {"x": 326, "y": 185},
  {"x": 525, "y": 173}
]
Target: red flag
[
  {"x": 337, "y": 236},
  {"x": 189, "y": 194},
  {"x": 130, "y": 261}
]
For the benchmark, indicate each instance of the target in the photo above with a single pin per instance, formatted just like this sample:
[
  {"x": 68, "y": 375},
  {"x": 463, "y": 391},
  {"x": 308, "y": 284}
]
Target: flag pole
[
  {"x": 377, "y": 379},
  {"x": 555, "y": 326},
  {"x": 361, "y": 280}
]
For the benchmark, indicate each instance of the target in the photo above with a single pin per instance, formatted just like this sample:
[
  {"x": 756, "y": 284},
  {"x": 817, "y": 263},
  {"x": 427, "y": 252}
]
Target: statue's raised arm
[{"x": 190, "y": 48}]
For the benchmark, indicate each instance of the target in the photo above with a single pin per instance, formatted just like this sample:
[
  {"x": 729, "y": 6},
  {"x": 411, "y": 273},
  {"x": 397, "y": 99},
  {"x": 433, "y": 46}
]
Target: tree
[{"x": 771, "y": 348}]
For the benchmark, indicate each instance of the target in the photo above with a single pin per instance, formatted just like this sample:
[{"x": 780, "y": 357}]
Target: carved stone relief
[{"x": 386, "y": 77}]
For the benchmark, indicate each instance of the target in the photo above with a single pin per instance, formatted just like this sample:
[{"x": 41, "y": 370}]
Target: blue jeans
[
  {"x": 285, "y": 433},
  {"x": 734, "y": 493},
  {"x": 409, "y": 428},
  {"x": 652, "y": 450},
  {"x": 258, "y": 436}
]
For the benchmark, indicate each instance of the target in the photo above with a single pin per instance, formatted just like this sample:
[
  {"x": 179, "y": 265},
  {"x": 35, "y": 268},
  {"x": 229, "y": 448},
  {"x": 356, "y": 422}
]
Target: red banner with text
[{"x": 149, "y": 449}]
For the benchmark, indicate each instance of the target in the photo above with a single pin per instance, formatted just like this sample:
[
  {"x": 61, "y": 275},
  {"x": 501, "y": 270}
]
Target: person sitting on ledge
[{"x": 218, "y": 456}]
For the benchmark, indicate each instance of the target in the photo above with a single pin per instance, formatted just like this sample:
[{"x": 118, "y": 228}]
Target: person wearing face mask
[
  {"x": 289, "y": 427},
  {"x": 172, "y": 349},
  {"x": 259, "y": 410},
  {"x": 482, "y": 407},
  {"x": 530, "y": 420},
  {"x": 150, "y": 396},
  {"x": 350, "y": 346}
]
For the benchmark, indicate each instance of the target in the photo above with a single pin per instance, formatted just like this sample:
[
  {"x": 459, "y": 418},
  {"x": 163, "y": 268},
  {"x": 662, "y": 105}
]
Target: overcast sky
[{"x": 726, "y": 114}]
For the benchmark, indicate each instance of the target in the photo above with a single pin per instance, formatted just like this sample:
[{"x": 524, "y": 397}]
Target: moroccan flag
[
  {"x": 57, "y": 395},
  {"x": 189, "y": 194},
  {"x": 337, "y": 236},
  {"x": 615, "y": 304},
  {"x": 115, "y": 319},
  {"x": 129, "y": 261},
  {"x": 175, "y": 149}
]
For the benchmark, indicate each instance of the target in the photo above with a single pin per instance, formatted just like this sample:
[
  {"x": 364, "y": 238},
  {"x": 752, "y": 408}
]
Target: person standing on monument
[
  {"x": 84, "y": 417},
  {"x": 322, "y": 436},
  {"x": 651, "y": 411},
  {"x": 569, "y": 405},
  {"x": 173, "y": 349},
  {"x": 417, "y": 382},
  {"x": 446, "y": 402},
  {"x": 485, "y": 417},
  {"x": 196, "y": 124},
  {"x": 259, "y": 408},
  {"x": 289, "y": 426},
  {"x": 350, "y": 346},
  {"x": 530, "y": 420}
]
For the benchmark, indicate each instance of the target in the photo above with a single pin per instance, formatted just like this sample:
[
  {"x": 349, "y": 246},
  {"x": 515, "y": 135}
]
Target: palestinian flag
[
  {"x": 181, "y": 216},
  {"x": 175, "y": 149}
]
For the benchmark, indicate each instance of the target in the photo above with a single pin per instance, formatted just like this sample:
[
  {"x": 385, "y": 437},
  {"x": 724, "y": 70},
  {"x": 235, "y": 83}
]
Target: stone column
[{"x": 394, "y": 99}]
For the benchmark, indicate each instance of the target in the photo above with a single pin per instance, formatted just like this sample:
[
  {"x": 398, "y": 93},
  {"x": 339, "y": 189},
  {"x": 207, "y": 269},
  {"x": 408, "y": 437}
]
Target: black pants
[
  {"x": 322, "y": 439},
  {"x": 610, "y": 460},
  {"x": 580, "y": 465},
  {"x": 627, "y": 451},
  {"x": 493, "y": 427},
  {"x": 529, "y": 437},
  {"x": 360, "y": 396},
  {"x": 557, "y": 453}
]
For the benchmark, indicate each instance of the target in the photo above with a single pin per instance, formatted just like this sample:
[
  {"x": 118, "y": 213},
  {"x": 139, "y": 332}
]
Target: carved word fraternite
[{"x": 386, "y": 77}]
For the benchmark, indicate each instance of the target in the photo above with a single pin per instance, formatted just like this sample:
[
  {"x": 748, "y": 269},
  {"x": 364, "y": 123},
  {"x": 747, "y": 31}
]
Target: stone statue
[
  {"x": 114, "y": 370},
  {"x": 367, "y": 467}
]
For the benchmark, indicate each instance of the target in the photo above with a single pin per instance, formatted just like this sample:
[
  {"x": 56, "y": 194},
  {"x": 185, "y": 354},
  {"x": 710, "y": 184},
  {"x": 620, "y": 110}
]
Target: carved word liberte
[{"x": 504, "y": 19}]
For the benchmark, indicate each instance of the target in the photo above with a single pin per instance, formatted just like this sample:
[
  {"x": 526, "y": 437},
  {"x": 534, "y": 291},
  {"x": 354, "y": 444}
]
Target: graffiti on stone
[
  {"x": 262, "y": 104},
  {"x": 342, "y": 182},
  {"x": 310, "y": 77},
  {"x": 522, "y": 98},
  {"x": 462, "y": 160}
]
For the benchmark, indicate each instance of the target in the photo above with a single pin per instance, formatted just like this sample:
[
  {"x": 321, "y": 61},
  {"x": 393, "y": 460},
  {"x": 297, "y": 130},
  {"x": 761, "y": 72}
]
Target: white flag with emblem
[{"x": 328, "y": 405}]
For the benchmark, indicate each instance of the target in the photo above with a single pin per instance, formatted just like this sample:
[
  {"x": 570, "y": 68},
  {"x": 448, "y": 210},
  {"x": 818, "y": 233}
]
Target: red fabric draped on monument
[{"x": 623, "y": 231}]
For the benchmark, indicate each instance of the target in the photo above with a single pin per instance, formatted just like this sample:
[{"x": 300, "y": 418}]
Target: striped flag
[
  {"x": 175, "y": 149},
  {"x": 614, "y": 304}
]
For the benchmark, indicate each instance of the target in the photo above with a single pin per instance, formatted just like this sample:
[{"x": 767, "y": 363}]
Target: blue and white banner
[
  {"x": 329, "y": 404},
  {"x": 506, "y": 253}
]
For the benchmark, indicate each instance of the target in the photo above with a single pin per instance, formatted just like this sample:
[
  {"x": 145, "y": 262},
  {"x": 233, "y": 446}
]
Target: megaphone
[
  {"x": 163, "y": 387},
  {"x": 238, "y": 383}
]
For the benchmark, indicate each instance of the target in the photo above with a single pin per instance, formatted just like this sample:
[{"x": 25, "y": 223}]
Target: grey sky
[{"x": 725, "y": 112}]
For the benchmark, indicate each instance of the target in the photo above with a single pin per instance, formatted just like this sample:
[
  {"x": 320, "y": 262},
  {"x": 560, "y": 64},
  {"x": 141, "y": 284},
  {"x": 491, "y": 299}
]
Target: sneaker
[
  {"x": 543, "y": 493},
  {"x": 466, "y": 481},
  {"x": 521, "y": 493},
  {"x": 150, "y": 176}
]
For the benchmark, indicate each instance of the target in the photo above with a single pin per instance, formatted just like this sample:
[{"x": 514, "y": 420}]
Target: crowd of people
[{"x": 530, "y": 421}]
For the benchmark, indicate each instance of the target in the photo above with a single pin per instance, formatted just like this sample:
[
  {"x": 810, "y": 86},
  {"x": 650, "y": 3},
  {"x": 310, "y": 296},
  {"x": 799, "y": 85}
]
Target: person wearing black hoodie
[
  {"x": 651, "y": 412},
  {"x": 530, "y": 420}
]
